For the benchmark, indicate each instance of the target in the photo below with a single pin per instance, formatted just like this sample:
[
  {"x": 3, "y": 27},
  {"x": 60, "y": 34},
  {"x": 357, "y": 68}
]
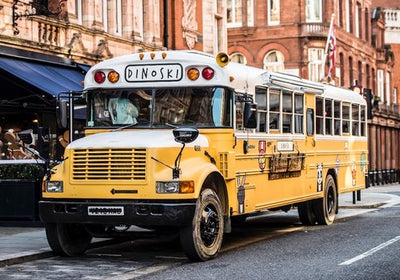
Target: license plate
[{"x": 105, "y": 210}]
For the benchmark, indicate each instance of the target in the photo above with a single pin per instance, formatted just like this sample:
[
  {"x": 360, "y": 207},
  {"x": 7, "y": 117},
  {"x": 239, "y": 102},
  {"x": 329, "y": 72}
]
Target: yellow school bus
[{"x": 187, "y": 141}]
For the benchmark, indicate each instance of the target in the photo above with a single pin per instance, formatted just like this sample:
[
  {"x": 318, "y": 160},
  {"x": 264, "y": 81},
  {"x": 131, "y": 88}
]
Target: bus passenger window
[
  {"x": 239, "y": 115},
  {"x": 274, "y": 110},
  {"x": 287, "y": 110},
  {"x": 355, "y": 120},
  {"x": 337, "y": 118},
  {"x": 328, "y": 117},
  {"x": 345, "y": 118},
  {"x": 261, "y": 100},
  {"x": 320, "y": 115},
  {"x": 310, "y": 122},
  {"x": 298, "y": 113}
]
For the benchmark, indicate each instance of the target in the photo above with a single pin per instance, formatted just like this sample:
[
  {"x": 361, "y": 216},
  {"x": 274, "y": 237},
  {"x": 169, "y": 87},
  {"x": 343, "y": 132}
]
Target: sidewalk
[{"x": 18, "y": 244}]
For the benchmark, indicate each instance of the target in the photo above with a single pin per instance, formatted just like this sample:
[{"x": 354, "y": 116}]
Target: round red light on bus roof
[
  {"x": 207, "y": 73},
  {"x": 99, "y": 77}
]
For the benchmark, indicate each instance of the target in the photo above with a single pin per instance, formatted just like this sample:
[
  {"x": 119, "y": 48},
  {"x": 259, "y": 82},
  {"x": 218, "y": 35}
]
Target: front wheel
[
  {"x": 202, "y": 240},
  {"x": 325, "y": 208},
  {"x": 68, "y": 239}
]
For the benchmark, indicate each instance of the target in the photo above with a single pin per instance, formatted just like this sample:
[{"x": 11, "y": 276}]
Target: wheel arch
[{"x": 216, "y": 181}]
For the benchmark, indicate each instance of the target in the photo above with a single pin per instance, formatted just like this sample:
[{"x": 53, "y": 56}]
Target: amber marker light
[
  {"x": 152, "y": 55},
  {"x": 141, "y": 55},
  {"x": 164, "y": 55},
  {"x": 231, "y": 78},
  {"x": 193, "y": 74},
  {"x": 113, "y": 76},
  {"x": 186, "y": 187}
]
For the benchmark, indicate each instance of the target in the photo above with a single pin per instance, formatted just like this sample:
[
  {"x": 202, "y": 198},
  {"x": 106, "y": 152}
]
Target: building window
[
  {"x": 349, "y": 16},
  {"x": 351, "y": 77},
  {"x": 341, "y": 59},
  {"x": 105, "y": 17},
  {"x": 78, "y": 11},
  {"x": 380, "y": 83},
  {"x": 360, "y": 75},
  {"x": 239, "y": 58},
  {"x": 234, "y": 13},
  {"x": 395, "y": 95},
  {"x": 250, "y": 12},
  {"x": 387, "y": 82},
  {"x": 340, "y": 13},
  {"x": 368, "y": 77},
  {"x": 273, "y": 12},
  {"x": 274, "y": 61},
  {"x": 118, "y": 17},
  {"x": 367, "y": 19},
  {"x": 316, "y": 69},
  {"x": 358, "y": 20},
  {"x": 313, "y": 10}
]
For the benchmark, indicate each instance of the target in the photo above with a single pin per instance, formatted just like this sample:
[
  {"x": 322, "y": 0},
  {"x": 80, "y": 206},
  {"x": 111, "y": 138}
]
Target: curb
[{"x": 369, "y": 206}]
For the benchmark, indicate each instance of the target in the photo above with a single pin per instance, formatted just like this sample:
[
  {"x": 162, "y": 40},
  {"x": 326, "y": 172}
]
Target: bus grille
[{"x": 109, "y": 164}]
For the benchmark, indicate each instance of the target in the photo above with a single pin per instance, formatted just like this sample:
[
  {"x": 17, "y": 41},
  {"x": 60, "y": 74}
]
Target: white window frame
[
  {"x": 273, "y": 22},
  {"x": 357, "y": 20},
  {"x": 105, "y": 14},
  {"x": 275, "y": 66},
  {"x": 118, "y": 17},
  {"x": 380, "y": 83},
  {"x": 394, "y": 95},
  {"x": 250, "y": 12},
  {"x": 78, "y": 9},
  {"x": 234, "y": 23},
  {"x": 388, "y": 93},
  {"x": 348, "y": 15},
  {"x": 310, "y": 6},
  {"x": 316, "y": 69}
]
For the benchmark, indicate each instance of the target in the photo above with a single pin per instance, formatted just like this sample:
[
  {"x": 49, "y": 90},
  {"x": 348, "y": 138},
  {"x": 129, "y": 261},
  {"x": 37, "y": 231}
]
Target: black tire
[
  {"x": 306, "y": 213},
  {"x": 68, "y": 239},
  {"x": 326, "y": 207},
  {"x": 202, "y": 240}
]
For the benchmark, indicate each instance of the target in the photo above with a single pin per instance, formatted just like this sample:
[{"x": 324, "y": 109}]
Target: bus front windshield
[{"x": 160, "y": 107}]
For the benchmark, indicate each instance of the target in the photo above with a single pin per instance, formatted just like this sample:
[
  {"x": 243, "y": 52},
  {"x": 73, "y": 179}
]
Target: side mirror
[
  {"x": 250, "y": 115},
  {"x": 185, "y": 135},
  {"x": 62, "y": 113}
]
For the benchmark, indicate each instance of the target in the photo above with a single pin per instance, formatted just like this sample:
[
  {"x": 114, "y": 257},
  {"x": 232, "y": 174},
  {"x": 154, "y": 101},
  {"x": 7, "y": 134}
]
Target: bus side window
[
  {"x": 261, "y": 100},
  {"x": 310, "y": 122}
]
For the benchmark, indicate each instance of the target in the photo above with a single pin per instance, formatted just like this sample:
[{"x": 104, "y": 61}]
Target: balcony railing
[
  {"x": 314, "y": 29},
  {"x": 392, "y": 18}
]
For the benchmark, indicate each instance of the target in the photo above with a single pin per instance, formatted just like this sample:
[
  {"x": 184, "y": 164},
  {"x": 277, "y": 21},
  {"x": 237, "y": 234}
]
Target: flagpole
[{"x": 327, "y": 39}]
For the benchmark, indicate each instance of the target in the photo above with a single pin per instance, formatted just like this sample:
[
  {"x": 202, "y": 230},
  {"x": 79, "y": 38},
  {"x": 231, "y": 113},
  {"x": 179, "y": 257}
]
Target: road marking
[{"x": 372, "y": 251}]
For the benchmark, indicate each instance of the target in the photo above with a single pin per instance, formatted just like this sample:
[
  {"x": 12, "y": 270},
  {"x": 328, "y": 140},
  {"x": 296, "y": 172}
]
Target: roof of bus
[
  {"x": 234, "y": 75},
  {"x": 344, "y": 95}
]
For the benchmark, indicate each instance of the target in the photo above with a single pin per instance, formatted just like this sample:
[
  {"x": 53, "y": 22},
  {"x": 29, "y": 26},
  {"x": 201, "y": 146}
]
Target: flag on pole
[
  {"x": 332, "y": 52},
  {"x": 330, "y": 49}
]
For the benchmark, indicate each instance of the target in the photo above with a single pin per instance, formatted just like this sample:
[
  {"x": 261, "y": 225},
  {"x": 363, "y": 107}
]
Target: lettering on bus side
[{"x": 153, "y": 73}]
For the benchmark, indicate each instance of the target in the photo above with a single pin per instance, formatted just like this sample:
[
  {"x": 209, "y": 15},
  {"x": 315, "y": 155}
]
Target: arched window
[
  {"x": 239, "y": 58},
  {"x": 274, "y": 61}
]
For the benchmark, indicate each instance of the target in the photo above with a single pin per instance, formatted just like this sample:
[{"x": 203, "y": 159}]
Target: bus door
[{"x": 311, "y": 166}]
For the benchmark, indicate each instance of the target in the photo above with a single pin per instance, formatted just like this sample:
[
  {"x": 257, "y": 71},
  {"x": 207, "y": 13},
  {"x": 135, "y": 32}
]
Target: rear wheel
[
  {"x": 325, "y": 208},
  {"x": 68, "y": 239},
  {"x": 306, "y": 213},
  {"x": 202, "y": 240}
]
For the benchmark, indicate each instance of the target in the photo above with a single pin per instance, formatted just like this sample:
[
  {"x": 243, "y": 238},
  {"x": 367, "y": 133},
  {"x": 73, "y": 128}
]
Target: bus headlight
[
  {"x": 175, "y": 187},
  {"x": 54, "y": 186}
]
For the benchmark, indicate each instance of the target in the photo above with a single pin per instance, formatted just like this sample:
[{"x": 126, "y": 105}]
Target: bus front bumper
[{"x": 138, "y": 213}]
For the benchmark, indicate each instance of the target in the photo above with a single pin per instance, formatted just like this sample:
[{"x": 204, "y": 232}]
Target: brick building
[{"x": 290, "y": 36}]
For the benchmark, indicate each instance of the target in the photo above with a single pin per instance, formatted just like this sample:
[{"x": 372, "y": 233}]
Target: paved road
[{"x": 361, "y": 247}]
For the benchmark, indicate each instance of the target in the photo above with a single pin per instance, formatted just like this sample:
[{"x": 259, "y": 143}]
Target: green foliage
[{"x": 21, "y": 171}]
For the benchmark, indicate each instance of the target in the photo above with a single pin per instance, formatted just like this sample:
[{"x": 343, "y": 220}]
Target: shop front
[{"x": 30, "y": 137}]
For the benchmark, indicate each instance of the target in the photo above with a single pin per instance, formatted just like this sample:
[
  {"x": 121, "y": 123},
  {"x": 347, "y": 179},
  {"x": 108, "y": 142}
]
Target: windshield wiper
[{"x": 124, "y": 127}]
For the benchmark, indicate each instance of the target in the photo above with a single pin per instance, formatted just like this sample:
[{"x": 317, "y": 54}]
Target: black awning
[{"x": 49, "y": 78}]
